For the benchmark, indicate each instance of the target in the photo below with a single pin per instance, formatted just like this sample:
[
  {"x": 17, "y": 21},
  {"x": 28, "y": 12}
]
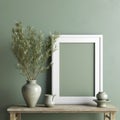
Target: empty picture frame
[{"x": 77, "y": 71}]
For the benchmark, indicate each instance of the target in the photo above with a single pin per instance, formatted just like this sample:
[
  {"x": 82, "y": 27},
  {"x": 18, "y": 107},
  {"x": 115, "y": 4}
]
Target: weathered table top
[{"x": 62, "y": 109}]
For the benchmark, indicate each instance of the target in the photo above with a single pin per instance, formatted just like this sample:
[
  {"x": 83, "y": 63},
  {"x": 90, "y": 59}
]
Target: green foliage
[{"x": 32, "y": 50}]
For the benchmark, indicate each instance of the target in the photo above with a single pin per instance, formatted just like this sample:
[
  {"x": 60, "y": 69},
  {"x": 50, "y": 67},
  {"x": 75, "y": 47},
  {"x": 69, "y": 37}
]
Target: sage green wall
[{"x": 66, "y": 17}]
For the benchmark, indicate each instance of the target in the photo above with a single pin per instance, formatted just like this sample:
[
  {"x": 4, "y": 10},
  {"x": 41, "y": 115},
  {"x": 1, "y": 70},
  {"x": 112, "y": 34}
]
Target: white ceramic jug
[{"x": 49, "y": 100}]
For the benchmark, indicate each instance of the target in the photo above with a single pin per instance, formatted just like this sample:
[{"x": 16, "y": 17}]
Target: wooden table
[{"x": 16, "y": 111}]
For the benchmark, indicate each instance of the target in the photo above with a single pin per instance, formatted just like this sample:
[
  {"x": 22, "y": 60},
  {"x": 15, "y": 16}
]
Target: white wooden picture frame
[{"x": 97, "y": 40}]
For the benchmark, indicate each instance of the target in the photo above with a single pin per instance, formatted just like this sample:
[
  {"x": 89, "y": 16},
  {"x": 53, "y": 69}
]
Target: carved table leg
[
  {"x": 112, "y": 115},
  {"x": 109, "y": 116},
  {"x": 15, "y": 116}
]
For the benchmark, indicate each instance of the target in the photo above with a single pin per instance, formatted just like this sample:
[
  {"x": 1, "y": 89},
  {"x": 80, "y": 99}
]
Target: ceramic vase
[
  {"x": 102, "y": 96},
  {"x": 31, "y": 92}
]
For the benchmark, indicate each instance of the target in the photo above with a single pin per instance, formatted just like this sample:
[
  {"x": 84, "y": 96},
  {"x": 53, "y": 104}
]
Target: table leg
[
  {"x": 109, "y": 116},
  {"x": 112, "y": 115},
  {"x": 15, "y": 116}
]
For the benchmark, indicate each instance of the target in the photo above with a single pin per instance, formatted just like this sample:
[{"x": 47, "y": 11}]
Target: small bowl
[{"x": 102, "y": 103}]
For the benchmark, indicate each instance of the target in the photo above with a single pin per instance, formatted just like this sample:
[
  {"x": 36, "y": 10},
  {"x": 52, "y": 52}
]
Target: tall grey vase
[{"x": 31, "y": 92}]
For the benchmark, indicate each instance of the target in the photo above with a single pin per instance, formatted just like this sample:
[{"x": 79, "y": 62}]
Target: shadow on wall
[
  {"x": 4, "y": 101},
  {"x": 7, "y": 81},
  {"x": 63, "y": 116},
  {"x": 49, "y": 82}
]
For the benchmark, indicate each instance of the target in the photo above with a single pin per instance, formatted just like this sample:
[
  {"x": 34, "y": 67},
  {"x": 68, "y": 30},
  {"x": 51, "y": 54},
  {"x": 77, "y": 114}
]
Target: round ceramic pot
[
  {"x": 102, "y": 96},
  {"x": 31, "y": 92}
]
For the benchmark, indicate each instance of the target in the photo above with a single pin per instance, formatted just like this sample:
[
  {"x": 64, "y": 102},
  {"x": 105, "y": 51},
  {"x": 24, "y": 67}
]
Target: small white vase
[{"x": 31, "y": 92}]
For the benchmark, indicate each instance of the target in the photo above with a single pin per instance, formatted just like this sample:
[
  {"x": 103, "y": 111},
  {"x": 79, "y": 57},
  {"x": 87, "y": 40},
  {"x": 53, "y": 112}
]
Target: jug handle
[{"x": 53, "y": 97}]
